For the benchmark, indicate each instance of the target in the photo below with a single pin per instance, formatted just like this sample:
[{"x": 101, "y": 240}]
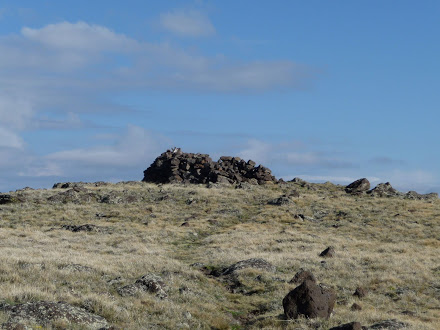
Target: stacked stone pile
[{"x": 175, "y": 166}]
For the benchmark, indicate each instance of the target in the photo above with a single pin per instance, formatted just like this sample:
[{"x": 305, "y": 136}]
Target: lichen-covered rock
[
  {"x": 249, "y": 263},
  {"x": 310, "y": 300},
  {"x": 44, "y": 313},
  {"x": 414, "y": 195},
  {"x": 148, "y": 283},
  {"x": 77, "y": 195},
  {"x": 384, "y": 190},
  {"x": 175, "y": 166},
  {"x": 282, "y": 200}
]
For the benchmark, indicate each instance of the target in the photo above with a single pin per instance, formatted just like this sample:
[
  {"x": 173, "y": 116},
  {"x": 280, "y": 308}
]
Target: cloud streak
[{"x": 187, "y": 23}]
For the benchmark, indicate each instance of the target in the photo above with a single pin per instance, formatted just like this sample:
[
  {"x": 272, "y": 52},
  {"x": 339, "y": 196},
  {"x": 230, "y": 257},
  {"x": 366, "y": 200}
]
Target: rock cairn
[{"x": 175, "y": 166}]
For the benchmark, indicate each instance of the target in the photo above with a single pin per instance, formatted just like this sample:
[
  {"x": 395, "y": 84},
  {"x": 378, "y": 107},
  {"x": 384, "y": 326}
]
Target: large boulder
[
  {"x": 45, "y": 313},
  {"x": 174, "y": 166},
  {"x": 358, "y": 186},
  {"x": 310, "y": 300}
]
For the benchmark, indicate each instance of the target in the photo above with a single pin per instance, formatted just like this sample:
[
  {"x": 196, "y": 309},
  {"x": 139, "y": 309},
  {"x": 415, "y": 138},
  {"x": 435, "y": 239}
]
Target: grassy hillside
[{"x": 187, "y": 234}]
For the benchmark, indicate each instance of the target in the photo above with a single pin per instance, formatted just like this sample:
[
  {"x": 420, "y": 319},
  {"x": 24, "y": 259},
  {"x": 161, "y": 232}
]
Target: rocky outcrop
[
  {"x": 148, "y": 283},
  {"x": 358, "y": 187},
  {"x": 310, "y": 300},
  {"x": 174, "y": 166},
  {"x": 384, "y": 190},
  {"x": 6, "y": 199},
  {"x": 45, "y": 313}
]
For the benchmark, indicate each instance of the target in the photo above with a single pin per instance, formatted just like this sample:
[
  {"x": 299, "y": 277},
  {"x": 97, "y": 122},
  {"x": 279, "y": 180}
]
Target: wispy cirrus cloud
[{"x": 187, "y": 23}]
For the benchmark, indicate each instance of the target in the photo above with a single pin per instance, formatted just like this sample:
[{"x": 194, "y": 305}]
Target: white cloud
[
  {"x": 418, "y": 180},
  {"x": 79, "y": 37},
  {"x": 187, "y": 23},
  {"x": 132, "y": 149},
  {"x": 9, "y": 139}
]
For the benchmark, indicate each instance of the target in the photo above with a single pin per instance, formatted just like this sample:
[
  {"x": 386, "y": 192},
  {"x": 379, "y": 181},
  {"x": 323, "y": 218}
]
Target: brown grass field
[{"x": 390, "y": 246}]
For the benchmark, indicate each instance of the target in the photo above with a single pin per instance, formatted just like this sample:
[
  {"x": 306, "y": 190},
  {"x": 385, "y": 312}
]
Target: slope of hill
[{"x": 141, "y": 255}]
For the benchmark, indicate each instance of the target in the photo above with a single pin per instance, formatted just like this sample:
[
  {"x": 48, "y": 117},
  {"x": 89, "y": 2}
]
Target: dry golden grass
[{"x": 390, "y": 246}]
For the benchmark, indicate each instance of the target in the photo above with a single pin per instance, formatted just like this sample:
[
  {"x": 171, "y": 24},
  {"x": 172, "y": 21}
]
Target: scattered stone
[
  {"x": 249, "y": 263},
  {"x": 389, "y": 325},
  {"x": 175, "y": 166},
  {"x": 309, "y": 300},
  {"x": 328, "y": 252},
  {"x": 147, "y": 283},
  {"x": 6, "y": 199},
  {"x": 302, "y": 276},
  {"x": 44, "y": 313},
  {"x": 384, "y": 190},
  {"x": 356, "y": 307},
  {"x": 348, "y": 326},
  {"x": 301, "y": 182},
  {"x": 282, "y": 200},
  {"x": 358, "y": 187},
  {"x": 360, "y": 292},
  {"x": 414, "y": 195},
  {"x": 73, "y": 228},
  {"x": 76, "y": 268}
]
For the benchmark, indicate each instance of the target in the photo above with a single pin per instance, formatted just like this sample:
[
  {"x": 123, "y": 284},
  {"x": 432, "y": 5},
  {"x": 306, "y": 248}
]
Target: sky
[{"x": 321, "y": 90}]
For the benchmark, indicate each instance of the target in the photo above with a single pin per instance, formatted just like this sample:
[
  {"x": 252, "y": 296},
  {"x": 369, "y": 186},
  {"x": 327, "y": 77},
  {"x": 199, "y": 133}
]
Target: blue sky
[{"x": 323, "y": 90}]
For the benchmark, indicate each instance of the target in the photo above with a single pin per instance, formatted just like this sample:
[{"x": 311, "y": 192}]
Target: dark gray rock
[
  {"x": 348, "y": 326},
  {"x": 309, "y": 300},
  {"x": 175, "y": 166},
  {"x": 6, "y": 199},
  {"x": 302, "y": 276},
  {"x": 358, "y": 186},
  {"x": 389, "y": 324},
  {"x": 328, "y": 252},
  {"x": 360, "y": 292},
  {"x": 74, "y": 228},
  {"x": 44, "y": 313}
]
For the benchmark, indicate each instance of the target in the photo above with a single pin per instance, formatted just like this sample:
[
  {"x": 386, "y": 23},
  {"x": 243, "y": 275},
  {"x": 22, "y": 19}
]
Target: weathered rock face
[
  {"x": 43, "y": 313},
  {"x": 358, "y": 186},
  {"x": 310, "y": 300},
  {"x": 302, "y": 276},
  {"x": 384, "y": 190},
  {"x": 175, "y": 166}
]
